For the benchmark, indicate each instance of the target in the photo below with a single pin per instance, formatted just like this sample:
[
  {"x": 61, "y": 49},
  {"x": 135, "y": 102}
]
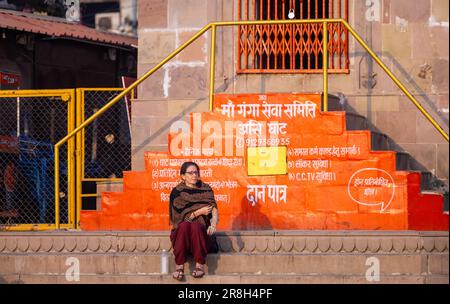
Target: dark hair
[{"x": 186, "y": 165}]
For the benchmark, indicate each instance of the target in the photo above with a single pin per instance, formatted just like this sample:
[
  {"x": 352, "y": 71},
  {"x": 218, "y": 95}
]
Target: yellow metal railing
[
  {"x": 213, "y": 26},
  {"x": 45, "y": 99},
  {"x": 80, "y": 144}
]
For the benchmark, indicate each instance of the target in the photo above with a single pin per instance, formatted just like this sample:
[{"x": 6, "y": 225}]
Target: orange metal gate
[{"x": 291, "y": 48}]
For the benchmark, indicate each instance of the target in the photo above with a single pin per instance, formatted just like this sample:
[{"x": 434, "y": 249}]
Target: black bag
[{"x": 213, "y": 246}]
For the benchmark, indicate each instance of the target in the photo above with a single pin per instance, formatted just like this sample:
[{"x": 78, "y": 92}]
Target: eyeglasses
[{"x": 192, "y": 172}]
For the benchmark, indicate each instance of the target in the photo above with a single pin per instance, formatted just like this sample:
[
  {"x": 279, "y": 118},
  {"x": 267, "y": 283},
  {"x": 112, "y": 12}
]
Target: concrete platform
[{"x": 275, "y": 257}]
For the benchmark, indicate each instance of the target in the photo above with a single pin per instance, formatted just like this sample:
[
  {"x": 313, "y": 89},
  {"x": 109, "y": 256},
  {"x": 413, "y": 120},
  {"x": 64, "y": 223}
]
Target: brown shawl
[{"x": 184, "y": 200}]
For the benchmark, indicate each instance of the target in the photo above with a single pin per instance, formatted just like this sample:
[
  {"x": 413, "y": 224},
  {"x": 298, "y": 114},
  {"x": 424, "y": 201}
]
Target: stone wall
[
  {"x": 244, "y": 257},
  {"x": 410, "y": 36}
]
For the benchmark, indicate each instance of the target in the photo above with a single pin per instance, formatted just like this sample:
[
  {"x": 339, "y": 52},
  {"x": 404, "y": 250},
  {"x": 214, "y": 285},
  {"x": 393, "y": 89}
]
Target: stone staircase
[
  {"x": 340, "y": 176},
  {"x": 254, "y": 257},
  {"x": 381, "y": 141}
]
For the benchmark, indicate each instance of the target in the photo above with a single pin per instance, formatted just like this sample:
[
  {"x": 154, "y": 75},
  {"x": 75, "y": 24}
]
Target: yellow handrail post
[
  {"x": 396, "y": 81},
  {"x": 57, "y": 186},
  {"x": 212, "y": 66},
  {"x": 71, "y": 203},
  {"x": 79, "y": 157},
  {"x": 325, "y": 66}
]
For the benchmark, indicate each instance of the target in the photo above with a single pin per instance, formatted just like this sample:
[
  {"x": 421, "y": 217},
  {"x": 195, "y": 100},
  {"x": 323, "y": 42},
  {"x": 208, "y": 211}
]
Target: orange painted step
[{"x": 334, "y": 181}]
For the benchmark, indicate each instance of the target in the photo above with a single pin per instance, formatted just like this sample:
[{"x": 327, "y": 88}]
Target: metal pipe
[
  {"x": 397, "y": 82},
  {"x": 325, "y": 66},
  {"x": 57, "y": 186},
  {"x": 79, "y": 157},
  {"x": 212, "y": 66}
]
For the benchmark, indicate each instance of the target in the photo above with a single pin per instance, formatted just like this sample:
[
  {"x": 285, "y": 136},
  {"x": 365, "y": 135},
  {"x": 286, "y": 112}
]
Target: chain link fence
[
  {"x": 106, "y": 146},
  {"x": 107, "y": 140},
  {"x": 31, "y": 124},
  {"x": 29, "y": 129}
]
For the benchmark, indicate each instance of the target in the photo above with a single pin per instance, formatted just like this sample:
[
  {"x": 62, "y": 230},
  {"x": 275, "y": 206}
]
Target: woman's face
[{"x": 191, "y": 176}]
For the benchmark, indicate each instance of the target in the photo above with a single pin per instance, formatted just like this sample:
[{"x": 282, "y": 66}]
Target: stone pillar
[{"x": 181, "y": 85}]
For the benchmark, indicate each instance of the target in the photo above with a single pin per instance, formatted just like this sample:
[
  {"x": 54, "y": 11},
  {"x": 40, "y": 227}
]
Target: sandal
[
  {"x": 198, "y": 273},
  {"x": 178, "y": 274}
]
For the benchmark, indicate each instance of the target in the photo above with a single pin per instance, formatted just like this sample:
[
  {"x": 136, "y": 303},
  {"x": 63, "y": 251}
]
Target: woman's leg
[
  {"x": 199, "y": 244},
  {"x": 181, "y": 242}
]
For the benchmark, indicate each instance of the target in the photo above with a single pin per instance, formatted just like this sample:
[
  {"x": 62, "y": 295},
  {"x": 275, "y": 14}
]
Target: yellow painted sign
[{"x": 266, "y": 160}]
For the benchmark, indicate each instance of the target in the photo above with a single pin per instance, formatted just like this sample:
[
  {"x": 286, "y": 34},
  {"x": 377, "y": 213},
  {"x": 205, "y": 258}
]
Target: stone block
[
  {"x": 152, "y": 108},
  {"x": 183, "y": 107},
  {"x": 150, "y": 263},
  {"x": 406, "y": 105},
  {"x": 197, "y": 51},
  {"x": 31, "y": 264},
  {"x": 140, "y": 130},
  {"x": 440, "y": 75},
  {"x": 439, "y": 10},
  {"x": 397, "y": 43},
  {"x": 400, "y": 126},
  {"x": 160, "y": 127},
  {"x": 311, "y": 83},
  {"x": 141, "y": 244},
  {"x": 35, "y": 244},
  {"x": 418, "y": 12},
  {"x": 357, "y": 104},
  {"x": 340, "y": 83},
  {"x": 443, "y": 102},
  {"x": 438, "y": 263},
  {"x": 187, "y": 14},
  {"x": 154, "y": 46},
  {"x": 426, "y": 132},
  {"x": 152, "y": 13},
  {"x": 443, "y": 279},
  {"x": 226, "y": 61},
  {"x": 11, "y": 244},
  {"x": 188, "y": 82},
  {"x": 424, "y": 155},
  {"x": 153, "y": 86},
  {"x": 384, "y": 84},
  {"x": 250, "y": 83},
  {"x": 429, "y": 42},
  {"x": 22, "y": 244},
  {"x": 414, "y": 74},
  {"x": 314, "y": 264},
  {"x": 376, "y": 103},
  {"x": 386, "y": 12},
  {"x": 7, "y": 265},
  {"x": 11, "y": 279},
  {"x": 91, "y": 263},
  {"x": 125, "y": 264},
  {"x": 442, "y": 161}
]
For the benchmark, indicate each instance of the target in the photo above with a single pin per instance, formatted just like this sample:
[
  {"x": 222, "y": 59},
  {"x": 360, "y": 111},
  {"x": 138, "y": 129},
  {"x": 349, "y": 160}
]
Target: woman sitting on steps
[{"x": 193, "y": 216}]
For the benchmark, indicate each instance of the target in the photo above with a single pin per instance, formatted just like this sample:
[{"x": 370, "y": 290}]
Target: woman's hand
[
  {"x": 214, "y": 220},
  {"x": 202, "y": 211},
  {"x": 211, "y": 230}
]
